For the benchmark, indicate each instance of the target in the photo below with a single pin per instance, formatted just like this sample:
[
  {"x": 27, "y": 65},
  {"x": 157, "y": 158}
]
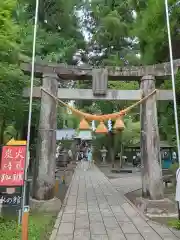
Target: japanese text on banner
[
  {"x": 11, "y": 178},
  {"x": 13, "y": 158}
]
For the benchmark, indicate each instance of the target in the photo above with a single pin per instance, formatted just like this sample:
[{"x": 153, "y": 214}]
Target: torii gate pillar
[
  {"x": 44, "y": 170},
  {"x": 152, "y": 184}
]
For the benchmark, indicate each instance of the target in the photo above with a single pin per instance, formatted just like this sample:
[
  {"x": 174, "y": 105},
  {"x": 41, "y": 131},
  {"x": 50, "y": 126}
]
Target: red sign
[
  {"x": 13, "y": 158},
  {"x": 12, "y": 165},
  {"x": 11, "y": 178}
]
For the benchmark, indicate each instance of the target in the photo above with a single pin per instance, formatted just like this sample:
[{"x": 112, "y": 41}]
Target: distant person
[
  {"x": 174, "y": 157},
  {"x": 138, "y": 158},
  {"x": 134, "y": 161},
  {"x": 83, "y": 157},
  {"x": 89, "y": 157},
  {"x": 70, "y": 155},
  {"x": 58, "y": 149},
  {"x": 103, "y": 154},
  {"x": 125, "y": 159},
  {"x": 165, "y": 155}
]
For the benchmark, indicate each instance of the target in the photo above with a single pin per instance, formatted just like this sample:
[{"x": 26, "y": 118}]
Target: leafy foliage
[
  {"x": 151, "y": 30},
  {"x": 11, "y": 77},
  {"x": 174, "y": 224},
  {"x": 109, "y": 23},
  {"x": 9, "y": 133},
  {"x": 58, "y": 39},
  {"x": 131, "y": 133},
  {"x": 39, "y": 227},
  {"x": 118, "y": 35}
]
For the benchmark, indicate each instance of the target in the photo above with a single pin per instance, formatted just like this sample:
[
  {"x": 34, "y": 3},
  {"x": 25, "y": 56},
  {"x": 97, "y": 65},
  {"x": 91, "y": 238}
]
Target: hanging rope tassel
[
  {"x": 119, "y": 125},
  {"x": 105, "y": 117},
  {"x": 101, "y": 128},
  {"x": 84, "y": 125}
]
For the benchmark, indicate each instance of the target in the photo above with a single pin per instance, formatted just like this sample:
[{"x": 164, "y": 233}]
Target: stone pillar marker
[
  {"x": 44, "y": 169},
  {"x": 152, "y": 183}
]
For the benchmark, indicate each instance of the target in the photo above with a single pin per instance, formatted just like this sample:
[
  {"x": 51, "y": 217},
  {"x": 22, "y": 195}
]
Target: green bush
[
  {"x": 174, "y": 168},
  {"x": 174, "y": 224},
  {"x": 39, "y": 227},
  {"x": 9, "y": 133}
]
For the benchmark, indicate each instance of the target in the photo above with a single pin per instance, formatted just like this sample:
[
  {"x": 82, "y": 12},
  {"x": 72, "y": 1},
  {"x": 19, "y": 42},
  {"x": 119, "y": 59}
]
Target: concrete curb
[
  {"x": 128, "y": 201},
  {"x": 59, "y": 217},
  {"x": 149, "y": 221},
  {"x": 132, "y": 205}
]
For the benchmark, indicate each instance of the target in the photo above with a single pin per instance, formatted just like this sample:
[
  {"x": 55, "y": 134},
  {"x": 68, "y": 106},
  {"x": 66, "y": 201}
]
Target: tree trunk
[
  {"x": 44, "y": 172},
  {"x": 152, "y": 184}
]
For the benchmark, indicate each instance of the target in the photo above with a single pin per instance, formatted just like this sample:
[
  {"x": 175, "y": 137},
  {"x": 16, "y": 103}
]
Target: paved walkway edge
[
  {"x": 148, "y": 220},
  {"x": 140, "y": 213},
  {"x": 59, "y": 216},
  {"x": 94, "y": 209}
]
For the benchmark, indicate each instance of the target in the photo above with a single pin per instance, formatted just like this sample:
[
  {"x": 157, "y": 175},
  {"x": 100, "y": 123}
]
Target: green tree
[
  {"x": 129, "y": 136},
  {"x": 58, "y": 39},
  {"x": 11, "y": 77},
  {"x": 150, "y": 22},
  {"x": 110, "y": 23}
]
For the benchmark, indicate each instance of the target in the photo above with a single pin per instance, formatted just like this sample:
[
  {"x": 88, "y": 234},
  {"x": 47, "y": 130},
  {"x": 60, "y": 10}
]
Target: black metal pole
[{"x": 178, "y": 211}]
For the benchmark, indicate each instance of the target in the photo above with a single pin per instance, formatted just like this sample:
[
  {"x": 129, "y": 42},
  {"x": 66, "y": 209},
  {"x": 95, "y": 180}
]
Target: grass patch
[
  {"x": 174, "y": 223},
  {"x": 40, "y": 227}
]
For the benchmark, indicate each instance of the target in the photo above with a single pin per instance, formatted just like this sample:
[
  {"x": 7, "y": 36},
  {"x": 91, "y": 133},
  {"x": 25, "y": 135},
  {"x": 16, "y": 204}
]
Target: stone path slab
[{"x": 95, "y": 210}]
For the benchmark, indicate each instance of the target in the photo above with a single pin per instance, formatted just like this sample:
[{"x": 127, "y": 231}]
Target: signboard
[
  {"x": 13, "y": 158},
  {"x": 10, "y": 190},
  {"x": 11, "y": 178},
  {"x": 26, "y": 209},
  {"x": 12, "y": 165},
  {"x": 12, "y": 168},
  {"x": 16, "y": 142},
  {"x": 11, "y": 199}
]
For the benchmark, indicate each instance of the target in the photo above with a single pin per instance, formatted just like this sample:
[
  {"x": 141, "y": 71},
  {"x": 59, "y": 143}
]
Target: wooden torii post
[
  {"x": 44, "y": 169},
  {"x": 44, "y": 177},
  {"x": 152, "y": 184}
]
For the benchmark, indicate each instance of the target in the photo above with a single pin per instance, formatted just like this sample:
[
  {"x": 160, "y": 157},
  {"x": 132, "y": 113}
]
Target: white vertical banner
[
  {"x": 109, "y": 125},
  {"x": 93, "y": 126}
]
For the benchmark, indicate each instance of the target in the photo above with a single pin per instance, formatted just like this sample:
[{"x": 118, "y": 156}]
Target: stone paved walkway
[{"x": 94, "y": 210}]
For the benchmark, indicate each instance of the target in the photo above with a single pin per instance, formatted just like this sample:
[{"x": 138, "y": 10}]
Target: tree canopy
[{"x": 120, "y": 33}]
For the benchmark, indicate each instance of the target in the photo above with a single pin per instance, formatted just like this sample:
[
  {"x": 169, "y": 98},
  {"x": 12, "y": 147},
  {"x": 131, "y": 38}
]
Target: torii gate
[{"x": 52, "y": 73}]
